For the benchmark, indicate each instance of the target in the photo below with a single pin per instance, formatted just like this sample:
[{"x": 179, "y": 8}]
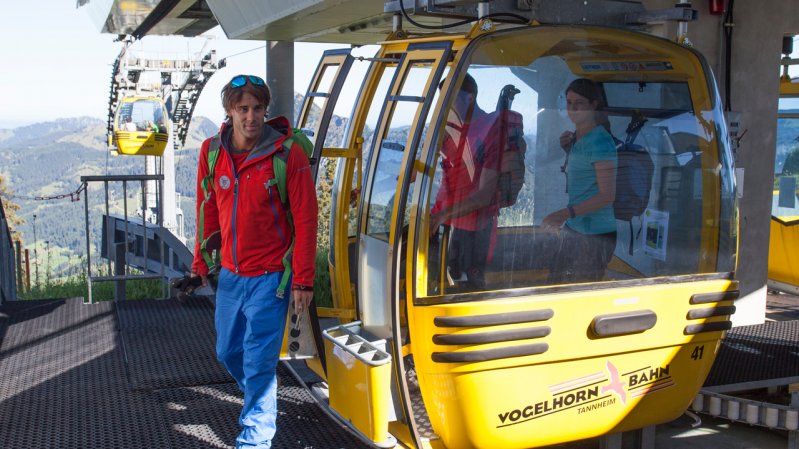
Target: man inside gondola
[
  {"x": 129, "y": 124},
  {"x": 466, "y": 203}
]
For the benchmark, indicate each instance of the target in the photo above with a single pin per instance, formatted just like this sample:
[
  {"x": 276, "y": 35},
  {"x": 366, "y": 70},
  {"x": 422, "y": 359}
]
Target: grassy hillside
[{"x": 47, "y": 160}]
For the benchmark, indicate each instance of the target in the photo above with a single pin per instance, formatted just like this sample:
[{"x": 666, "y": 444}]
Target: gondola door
[
  {"x": 304, "y": 340},
  {"x": 322, "y": 93},
  {"x": 398, "y": 136}
]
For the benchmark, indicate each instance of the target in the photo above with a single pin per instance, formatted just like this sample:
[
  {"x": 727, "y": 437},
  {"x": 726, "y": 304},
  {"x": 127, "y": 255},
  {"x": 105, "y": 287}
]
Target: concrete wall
[{"x": 756, "y": 45}]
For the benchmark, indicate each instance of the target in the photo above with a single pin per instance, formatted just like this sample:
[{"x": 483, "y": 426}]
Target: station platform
[
  {"x": 143, "y": 374},
  {"x": 136, "y": 374}
]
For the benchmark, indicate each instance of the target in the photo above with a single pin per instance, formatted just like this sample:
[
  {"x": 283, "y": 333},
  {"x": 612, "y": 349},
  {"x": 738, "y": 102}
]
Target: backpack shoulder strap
[
  {"x": 637, "y": 121},
  {"x": 214, "y": 146},
  {"x": 207, "y": 185},
  {"x": 280, "y": 166}
]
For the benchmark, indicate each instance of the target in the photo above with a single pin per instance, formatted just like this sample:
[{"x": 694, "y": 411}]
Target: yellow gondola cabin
[
  {"x": 527, "y": 353},
  {"x": 783, "y": 263},
  {"x": 141, "y": 126}
]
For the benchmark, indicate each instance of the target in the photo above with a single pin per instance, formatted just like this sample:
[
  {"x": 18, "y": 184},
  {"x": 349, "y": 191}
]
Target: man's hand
[
  {"x": 302, "y": 299},
  {"x": 436, "y": 220},
  {"x": 201, "y": 276}
]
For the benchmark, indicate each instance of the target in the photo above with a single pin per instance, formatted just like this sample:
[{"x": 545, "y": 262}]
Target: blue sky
[{"x": 57, "y": 64}]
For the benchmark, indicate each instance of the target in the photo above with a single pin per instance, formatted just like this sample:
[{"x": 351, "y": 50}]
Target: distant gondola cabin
[{"x": 141, "y": 126}]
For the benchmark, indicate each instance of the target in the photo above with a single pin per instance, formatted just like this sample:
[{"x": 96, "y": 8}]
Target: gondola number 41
[{"x": 698, "y": 352}]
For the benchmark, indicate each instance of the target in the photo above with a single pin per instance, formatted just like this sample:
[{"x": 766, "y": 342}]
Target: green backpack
[{"x": 279, "y": 164}]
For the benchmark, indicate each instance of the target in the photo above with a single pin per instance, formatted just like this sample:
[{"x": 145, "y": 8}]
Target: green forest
[
  {"x": 41, "y": 166},
  {"x": 787, "y": 156}
]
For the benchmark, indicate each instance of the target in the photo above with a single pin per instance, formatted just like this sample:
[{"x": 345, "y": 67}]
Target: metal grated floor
[
  {"x": 47, "y": 319},
  {"x": 63, "y": 383},
  {"x": 757, "y": 356},
  {"x": 169, "y": 344},
  {"x": 141, "y": 374}
]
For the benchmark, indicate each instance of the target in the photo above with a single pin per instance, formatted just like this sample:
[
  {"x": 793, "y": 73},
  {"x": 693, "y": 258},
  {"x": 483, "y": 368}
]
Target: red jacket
[
  {"x": 254, "y": 227},
  {"x": 465, "y": 152}
]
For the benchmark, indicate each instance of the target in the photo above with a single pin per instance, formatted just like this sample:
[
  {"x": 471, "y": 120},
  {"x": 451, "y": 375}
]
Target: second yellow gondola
[
  {"x": 140, "y": 126},
  {"x": 783, "y": 262}
]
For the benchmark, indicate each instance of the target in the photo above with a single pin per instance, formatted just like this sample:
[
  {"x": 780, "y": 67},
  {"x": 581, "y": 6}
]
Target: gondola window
[{"x": 479, "y": 242}]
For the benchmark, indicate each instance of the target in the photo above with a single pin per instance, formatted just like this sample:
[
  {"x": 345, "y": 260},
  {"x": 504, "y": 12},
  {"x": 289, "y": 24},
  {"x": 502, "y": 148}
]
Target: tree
[
  {"x": 791, "y": 166},
  {"x": 10, "y": 209}
]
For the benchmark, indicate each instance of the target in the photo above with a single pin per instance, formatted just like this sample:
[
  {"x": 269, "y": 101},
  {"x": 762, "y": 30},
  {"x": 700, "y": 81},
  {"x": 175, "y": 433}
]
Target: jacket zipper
[{"x": 235, "y": 204}]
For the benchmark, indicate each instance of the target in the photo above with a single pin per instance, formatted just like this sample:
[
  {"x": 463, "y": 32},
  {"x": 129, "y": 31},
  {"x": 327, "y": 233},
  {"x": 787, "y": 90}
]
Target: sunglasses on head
[{"x": 241, "y": 80}]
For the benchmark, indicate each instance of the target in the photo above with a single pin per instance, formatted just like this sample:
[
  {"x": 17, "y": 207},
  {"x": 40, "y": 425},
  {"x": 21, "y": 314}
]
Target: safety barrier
[
  {"x": 756, "y": 413},
  {"x": 8, "y": 278},
  {"x": 116, "y": 243}
]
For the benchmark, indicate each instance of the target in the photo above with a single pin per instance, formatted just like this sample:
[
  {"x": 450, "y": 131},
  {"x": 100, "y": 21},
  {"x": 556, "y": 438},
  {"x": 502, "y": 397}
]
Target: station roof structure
[
  {"x": 341, "y": 21},
  {"x": 347, "y": 21},
  {"x": 150, "y": 17}
]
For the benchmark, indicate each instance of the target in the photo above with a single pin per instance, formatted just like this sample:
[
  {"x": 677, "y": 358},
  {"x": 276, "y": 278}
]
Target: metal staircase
[
  {"x": 189, "y": 93},
  {"x": 113, "y": 94}
]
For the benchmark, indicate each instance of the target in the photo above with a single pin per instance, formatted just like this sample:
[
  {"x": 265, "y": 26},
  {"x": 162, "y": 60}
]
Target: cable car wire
[{"x": 245, "y": 51}]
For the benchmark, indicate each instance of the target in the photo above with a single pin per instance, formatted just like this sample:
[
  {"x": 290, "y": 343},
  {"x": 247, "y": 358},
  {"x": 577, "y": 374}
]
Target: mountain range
[{"x": 46, "y": 160}]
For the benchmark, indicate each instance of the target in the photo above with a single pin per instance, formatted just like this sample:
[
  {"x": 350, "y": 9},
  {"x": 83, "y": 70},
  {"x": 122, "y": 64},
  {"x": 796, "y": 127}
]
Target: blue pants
[{"x": 250, "y": 322}]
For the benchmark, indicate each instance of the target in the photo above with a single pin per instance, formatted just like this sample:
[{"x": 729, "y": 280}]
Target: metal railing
[
  {"x": 8, "y": 274},
  {"x": 116, "y": 244}
]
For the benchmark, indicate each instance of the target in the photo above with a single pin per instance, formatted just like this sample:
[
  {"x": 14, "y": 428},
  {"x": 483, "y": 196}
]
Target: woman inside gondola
[{"x": 586, "y": 227}]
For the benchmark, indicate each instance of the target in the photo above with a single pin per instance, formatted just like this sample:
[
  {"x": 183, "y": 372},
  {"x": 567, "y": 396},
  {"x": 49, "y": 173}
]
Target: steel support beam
[{"x": 280, "y": 78}]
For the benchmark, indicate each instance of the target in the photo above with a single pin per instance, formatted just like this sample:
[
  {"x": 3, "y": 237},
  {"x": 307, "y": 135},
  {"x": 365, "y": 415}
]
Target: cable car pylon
[
  {"x": 182, "y": 81},
  {"x": 145, "y": 115}
]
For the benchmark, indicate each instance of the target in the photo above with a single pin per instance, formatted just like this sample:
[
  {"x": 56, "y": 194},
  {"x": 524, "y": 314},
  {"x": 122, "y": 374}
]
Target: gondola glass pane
[
  {"x": 372, "y": 116},
  {"x": 786, "y": 163},
  {"x": 786, "y": 170},
  {"x": 728, "y": 213},
  {"x": 507, "y": 167},
  {"x": 391, "y": 151},
  {"x": 142, "y": 115}
]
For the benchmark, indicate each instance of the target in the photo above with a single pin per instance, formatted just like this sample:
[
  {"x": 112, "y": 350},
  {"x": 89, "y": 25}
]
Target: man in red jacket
[
  {"x": 243, "y": 204},
  {"x": 466, "y": 201}
]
